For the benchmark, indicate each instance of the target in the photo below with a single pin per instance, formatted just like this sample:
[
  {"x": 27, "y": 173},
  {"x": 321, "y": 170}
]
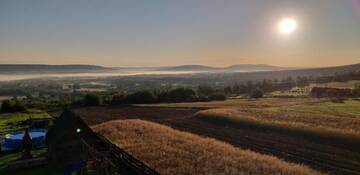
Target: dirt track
[{"x": 318, "y": 155}]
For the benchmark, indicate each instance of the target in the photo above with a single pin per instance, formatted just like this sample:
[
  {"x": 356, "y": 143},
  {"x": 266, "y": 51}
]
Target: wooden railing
[{"x": 110, "y": 159}]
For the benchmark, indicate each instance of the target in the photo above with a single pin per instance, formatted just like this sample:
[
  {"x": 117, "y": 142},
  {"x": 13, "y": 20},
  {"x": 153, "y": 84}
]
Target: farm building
[
  {"x": 322, "y": 92},
  {"x": 64, "y": 138},
  {"x": 72, "y": 142}
]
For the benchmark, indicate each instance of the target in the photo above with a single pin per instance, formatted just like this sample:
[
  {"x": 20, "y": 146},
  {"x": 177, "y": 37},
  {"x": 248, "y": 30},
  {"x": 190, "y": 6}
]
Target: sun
[{"x": 287, "y": 25}]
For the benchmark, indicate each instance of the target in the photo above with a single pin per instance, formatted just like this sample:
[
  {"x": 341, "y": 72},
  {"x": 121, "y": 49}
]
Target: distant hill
[
  {"x": 190, "y": 68},
  {"x": 233, "y": 68},
  {"x": 330, "y": 70},
  {"x": 255, "y": 67},
  {"x": 43, "y": 68},
  {"x": 261, "y": 75}
]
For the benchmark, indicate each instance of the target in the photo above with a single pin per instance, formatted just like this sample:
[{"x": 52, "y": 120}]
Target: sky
[{"x": 171, "y": 32}]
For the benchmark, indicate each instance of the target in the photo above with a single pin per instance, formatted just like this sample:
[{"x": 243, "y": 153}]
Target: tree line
[{"x": 203, "y": 93}]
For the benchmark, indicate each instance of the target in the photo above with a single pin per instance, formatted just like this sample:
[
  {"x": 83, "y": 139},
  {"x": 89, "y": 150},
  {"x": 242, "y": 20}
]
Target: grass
[
  {"x": 10, "y": 122},
  {"x": 173, "y": 152},
  {"x": 301, "y": 112},
  {"x": 46, "y": 169},
  {"x": 8, "y": 157},
  {"x": 342, "y": 130},
  {"x": 313, "y": 117},
  {"x": 349, "y": 108}
]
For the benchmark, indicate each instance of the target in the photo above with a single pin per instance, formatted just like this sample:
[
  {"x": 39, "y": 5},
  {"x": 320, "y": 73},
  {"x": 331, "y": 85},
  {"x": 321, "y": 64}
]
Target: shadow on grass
[
  {"x": 317, "y": 135},
  {"x": 47, "y": 169}
]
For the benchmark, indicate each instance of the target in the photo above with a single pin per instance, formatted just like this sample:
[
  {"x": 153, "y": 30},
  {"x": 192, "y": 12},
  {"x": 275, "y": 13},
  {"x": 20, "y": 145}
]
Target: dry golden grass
[
  {"x": 308, "y": 120},
  {"x": 337, "y": 130},
  {"x": 173, "y": 152},
  {"x": 305, "y": 113}
]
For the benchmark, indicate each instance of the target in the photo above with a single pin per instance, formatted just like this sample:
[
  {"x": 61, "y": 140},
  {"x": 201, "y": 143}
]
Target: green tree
[
  {"x": 12, "y": 106},
  {"x": 256, "y": 93},
  {"x": 228, "y": 90},
  {"x": 91, "y": 100},
  {"x": 205, "y": 90},
  {"x": 118, "y": 99},
  {"x": 217, "y": 96},
  {"x": 140, "y": 97},
  {"x": 181, "y": 95},
  {"x": 356, "y": 90}
]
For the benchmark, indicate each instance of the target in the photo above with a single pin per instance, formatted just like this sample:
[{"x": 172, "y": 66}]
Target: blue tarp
[{"x": 13, "y": 141}]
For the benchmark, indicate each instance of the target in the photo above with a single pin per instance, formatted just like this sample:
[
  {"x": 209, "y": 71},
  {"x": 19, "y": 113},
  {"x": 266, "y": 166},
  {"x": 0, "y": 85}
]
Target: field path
[{"x": 329, "y": 158}]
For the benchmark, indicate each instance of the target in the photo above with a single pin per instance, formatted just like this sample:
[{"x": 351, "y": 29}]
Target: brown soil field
[
  {"x": 323, "y": 154},
  {"x": 96, "y": 115},
  {"x": 174, "y": 152}
]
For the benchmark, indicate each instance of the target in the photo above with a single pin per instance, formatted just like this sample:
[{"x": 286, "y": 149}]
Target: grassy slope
[
  {"x": 11, "y": 121},
  {"x": 350, "y": 108},
  {"x": 293, "y": 111},
  {"x": 320, "y": 118},
  {"x": 173, "y": 152}
]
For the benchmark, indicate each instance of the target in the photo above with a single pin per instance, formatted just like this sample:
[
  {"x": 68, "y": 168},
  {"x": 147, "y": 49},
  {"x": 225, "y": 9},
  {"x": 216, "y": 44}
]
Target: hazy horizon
[
  {"x": 163, "y": 33},
  {"x": 157, "y": 66}
]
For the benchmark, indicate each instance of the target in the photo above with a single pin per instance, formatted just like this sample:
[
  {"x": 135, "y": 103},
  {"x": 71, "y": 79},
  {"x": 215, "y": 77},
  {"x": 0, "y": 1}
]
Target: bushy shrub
[
  {"x": 118, "y": 99},
  {"x": 91, "y": 100},
  {"x": 217, "y": 96},
  {"x": 256, "y": 93},
  {"x": 12, "y": 106},
  {"x": 181, "y": 95},
  {"x": 140, "y": 97},
  {"x": 205, "y": 91},
  {"x": 356, "y": 91}
]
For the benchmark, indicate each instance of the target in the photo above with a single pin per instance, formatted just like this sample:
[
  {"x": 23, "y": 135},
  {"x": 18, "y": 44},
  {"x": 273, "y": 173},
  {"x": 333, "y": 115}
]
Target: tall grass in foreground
[{"x": 173, "y": 152}]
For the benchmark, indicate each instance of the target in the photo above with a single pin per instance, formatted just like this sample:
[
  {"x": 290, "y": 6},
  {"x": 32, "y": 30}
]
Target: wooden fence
[{"x": 109, "y": 159}]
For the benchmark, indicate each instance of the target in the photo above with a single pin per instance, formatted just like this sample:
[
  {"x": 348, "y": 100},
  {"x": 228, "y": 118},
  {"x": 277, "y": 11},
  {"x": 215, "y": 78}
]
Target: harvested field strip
[
  {"x": 317, "y": 155},
  {"x": 174, "y": 152},
  {"x": 348, "y": 140},
  {"x": 320, "y": 120},
  {"x": 346, "y": 108}
]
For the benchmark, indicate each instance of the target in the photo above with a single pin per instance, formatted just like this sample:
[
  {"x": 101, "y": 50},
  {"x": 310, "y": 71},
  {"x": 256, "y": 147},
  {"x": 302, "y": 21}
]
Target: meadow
[
  {"x": 326, "y": 115},
  {"x": 314, "y": 117},
  {"x": 174, "y": 152},
  {"x": 10, "y": 122},
  {"x": 16, "y": 121}
]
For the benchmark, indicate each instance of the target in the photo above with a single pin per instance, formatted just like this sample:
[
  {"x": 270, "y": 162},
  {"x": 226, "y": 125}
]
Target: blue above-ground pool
[{"x": 13, "y": 141}]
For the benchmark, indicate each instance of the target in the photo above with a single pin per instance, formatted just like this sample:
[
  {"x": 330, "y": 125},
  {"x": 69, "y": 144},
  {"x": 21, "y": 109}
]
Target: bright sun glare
[{"x": 287, "y": 25}]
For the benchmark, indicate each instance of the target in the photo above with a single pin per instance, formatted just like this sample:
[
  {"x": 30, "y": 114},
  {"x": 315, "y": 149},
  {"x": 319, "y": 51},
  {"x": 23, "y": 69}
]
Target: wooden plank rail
[{"x": 117, "y": 159}]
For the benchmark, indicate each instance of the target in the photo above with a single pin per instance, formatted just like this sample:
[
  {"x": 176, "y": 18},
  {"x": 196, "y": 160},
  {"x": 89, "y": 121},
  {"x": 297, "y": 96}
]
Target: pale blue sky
[{"x": 171, "y": 32}]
